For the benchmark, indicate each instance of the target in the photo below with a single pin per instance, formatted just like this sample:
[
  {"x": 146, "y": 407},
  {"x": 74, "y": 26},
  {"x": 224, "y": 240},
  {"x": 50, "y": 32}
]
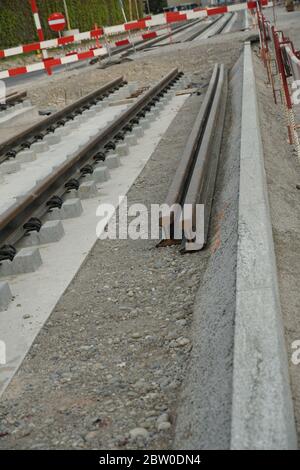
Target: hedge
[{"x": 17, "y": 26}]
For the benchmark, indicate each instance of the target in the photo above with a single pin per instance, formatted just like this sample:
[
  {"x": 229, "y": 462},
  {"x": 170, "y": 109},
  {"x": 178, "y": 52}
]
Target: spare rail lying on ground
[
  {"x": 15, "y": 97},
  {"x": 9, "y": 148},
  {"x": 34, "y": 203},
  {"x": 194, "y": 180}
]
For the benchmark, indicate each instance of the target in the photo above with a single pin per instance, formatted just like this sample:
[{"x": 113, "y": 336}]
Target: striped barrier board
[
  {"x": 145, "y": 23},
  {"x": 156, "y": 20},
  {"x": 36, "y": 46}
]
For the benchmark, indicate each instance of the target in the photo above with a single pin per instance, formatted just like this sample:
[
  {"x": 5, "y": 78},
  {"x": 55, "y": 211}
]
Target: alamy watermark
[
  {"x": 296, "y": 354},
  {"x": 138, "y": 221}
]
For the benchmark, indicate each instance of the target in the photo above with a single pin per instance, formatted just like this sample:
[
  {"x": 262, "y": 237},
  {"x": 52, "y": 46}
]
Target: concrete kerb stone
[
  {"x": 27, "y": 260},
  {"x": 5, "y": 296},
  {"x": 262, "y": 408}
]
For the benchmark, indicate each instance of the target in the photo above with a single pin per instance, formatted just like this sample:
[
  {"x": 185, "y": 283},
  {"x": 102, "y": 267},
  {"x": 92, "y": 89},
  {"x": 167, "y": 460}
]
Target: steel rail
[
  {"x": 195, "y": 177},
  {"x": 41, "y": 127},
  {"x": 34, "y": 204},
  {"x": 15, "y": 97},
  {"x": 142, "y": 45}
]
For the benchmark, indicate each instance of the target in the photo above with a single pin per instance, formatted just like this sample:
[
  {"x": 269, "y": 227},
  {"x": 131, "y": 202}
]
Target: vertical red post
[
  {"x": 38, "y": 25},
  {"x": 37, "y": 20}
]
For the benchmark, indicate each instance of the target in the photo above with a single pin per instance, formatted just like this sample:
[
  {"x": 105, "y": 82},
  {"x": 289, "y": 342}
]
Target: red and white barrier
[
  {"x": 156, "y": 20},
  {"x": 274, "y": 43},
  {"x": 150, "y": 21},
  {"x": 50, "y": 63},
  {"x": 75, "y": 56},
  {"x": 36, "y": 46}
]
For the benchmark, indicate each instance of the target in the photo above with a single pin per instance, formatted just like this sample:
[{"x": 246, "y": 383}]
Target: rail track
[
  {"x": 36, "y": 133},
  {"x": 194, "y": 180},
  {"x": 12, "y": 99},
  {"x": 27, "y": 213},
  {"x": 197, "y": 30}
]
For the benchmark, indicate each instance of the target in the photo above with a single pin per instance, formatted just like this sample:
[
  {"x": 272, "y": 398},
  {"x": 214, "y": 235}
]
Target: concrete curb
[{"x": 262, "y": 409}]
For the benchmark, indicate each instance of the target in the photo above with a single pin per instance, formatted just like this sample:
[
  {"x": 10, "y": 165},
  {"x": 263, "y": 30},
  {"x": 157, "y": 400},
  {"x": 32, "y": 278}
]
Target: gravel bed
[{"x": 147, "y": 66}]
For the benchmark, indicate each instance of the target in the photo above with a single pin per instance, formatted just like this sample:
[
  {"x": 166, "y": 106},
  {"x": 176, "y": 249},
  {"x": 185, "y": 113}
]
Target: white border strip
[{"x": 262, "y": 408}]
